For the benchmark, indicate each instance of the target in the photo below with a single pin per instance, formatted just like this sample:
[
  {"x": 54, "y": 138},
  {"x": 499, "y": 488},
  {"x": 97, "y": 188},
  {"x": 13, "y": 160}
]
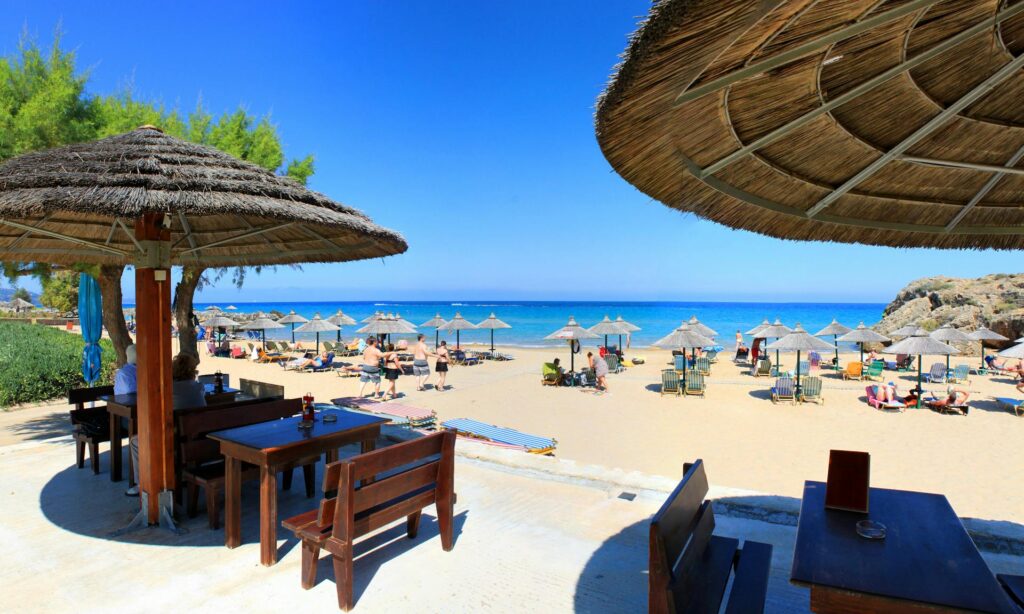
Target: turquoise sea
[{"x": 531, "y": 321}]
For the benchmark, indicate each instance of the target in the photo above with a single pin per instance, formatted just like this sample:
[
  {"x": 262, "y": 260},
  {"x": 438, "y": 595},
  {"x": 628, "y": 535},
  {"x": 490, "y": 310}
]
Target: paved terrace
[{"x": 542, "y": 535}]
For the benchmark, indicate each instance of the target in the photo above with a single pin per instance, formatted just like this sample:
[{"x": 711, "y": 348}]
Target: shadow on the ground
[
  {"x": 54, "y": 424},
  {"x": 765, "y": 394}
]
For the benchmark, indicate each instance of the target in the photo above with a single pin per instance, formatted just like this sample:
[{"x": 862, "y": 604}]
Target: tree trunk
[
  {"x": 109, "y": 281},
  {"x": 184, "y": 294}
]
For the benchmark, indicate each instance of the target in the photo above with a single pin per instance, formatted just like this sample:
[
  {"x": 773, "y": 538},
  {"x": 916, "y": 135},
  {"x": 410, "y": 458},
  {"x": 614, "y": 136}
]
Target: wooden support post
[{"x": 153, "y": 347}]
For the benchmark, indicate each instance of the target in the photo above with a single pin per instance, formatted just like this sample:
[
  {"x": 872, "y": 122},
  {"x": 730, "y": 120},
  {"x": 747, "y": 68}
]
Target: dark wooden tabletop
[
  {"x": 278, "y": 434},
  {"x": 927, "y": 556},
  {"x": 132, "y": 399}
]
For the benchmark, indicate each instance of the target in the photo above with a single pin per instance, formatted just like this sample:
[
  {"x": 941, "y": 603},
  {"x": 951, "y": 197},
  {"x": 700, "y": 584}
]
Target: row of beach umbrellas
[{"x": 573, "y": 332}]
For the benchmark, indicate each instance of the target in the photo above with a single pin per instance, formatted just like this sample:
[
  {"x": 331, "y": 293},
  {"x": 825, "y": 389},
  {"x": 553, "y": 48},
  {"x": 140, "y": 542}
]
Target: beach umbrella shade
[
  {"x": 370, "y": 318},
  {"x": 572, "y": 332},
  {"x": 292, "y": 318},
  {"x": 154, "y": 201},
  {"x": 835, "y": 329},
  {"x": 458, "y": 323},
  {"x": 19, "y": 303},
  {"x": 684, "y": 339},
  {"x": 340, "y": 320},
  {"x": 231, "y": 308},
  {"x": 492, "y": 323},
  {"x": 316, "y": 325},
  {"x": 919, "y": 344},
  {"x": 799, "y": 341},
  {"x": 629, "y": 327},
  {"x": 904, "y": 331},
  {"x": 861, "y": 335},
  {"x": 399, "y": 317},
  {"x": 220, "y": 322},
  {"x": 90, "y": 314},
  {"x": 607, "y": 327},
  {"x": 386, "y": 326},
  {"x": 1016, "y": 351},
  {"x": 262, "y": 324},
  {"x": 949, "y": 335},
  {"x": 982, "y": 335},
  {"x": 804, "y": 121},
  {"x": 695, "y": 324},
  {"x": 777, "y": 330},
  {"x": 436, "y": 322}
]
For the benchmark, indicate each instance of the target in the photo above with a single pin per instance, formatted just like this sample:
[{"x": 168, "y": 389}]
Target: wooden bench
[
  {"x": 690, "y": 567},
  {"x": 373, "y": 490},
  {"x": 91, "y": 425},
  {"x": 200, "y": 460},
  {"x": 261, "y": 390}
]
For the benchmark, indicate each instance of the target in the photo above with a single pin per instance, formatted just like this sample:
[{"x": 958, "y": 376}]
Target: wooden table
[
  {"x": 926, "y": 563},
  {"x": 271, "y": 444},
  {"x": 126, "y": 405}
]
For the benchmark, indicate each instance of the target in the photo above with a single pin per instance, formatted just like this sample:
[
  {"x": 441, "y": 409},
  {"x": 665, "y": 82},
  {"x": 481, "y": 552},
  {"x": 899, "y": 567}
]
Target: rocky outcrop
[{"x": 995, "y": 301}]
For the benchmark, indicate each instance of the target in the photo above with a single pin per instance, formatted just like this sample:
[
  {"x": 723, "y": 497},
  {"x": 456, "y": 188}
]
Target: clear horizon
[{"x": 469, "y": 129}]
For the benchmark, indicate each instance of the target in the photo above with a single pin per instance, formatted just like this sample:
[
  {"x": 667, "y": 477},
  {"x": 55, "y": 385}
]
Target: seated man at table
[
  {"x": 187, "y": 391},
  {"x": 125, "y": 378}
]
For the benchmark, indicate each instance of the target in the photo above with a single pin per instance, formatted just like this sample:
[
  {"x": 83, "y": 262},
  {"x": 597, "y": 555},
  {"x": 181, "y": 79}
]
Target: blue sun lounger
[
  {"x": 1017, "y": 405},
  {"x": 500, "y": 435}
]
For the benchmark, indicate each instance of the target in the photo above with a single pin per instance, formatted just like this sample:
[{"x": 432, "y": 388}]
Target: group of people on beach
[{"x": 376, "y": 361}]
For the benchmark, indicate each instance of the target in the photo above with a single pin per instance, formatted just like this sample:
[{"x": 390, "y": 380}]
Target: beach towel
[{"x": 475, "y": 429}]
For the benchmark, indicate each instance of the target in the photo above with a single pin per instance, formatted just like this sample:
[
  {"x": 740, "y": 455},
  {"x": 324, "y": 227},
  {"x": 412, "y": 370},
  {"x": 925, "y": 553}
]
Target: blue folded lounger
[{"x": 500, "y": 435}]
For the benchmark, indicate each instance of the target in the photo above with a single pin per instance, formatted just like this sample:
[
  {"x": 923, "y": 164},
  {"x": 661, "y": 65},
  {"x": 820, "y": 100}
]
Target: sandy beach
[{"x": 746, "y": 441}]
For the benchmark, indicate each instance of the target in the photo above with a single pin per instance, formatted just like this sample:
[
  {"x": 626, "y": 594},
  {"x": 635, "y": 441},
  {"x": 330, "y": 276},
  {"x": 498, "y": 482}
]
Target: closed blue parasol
[{"x": 90, "y": 313}]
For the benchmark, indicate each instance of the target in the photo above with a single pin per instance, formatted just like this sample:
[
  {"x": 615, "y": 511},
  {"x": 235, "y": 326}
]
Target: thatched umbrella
[
  {"x": 754, "y": 332},
  {"x": 153, "y": 201},
  {"x": 799, "y": 341},
  {"x": 685, "y": 339},
  {"x": 982, "y": 335},
  {"x": 920, "y": 344},
  {"x": 776, "y": 330},
  {"x": 384, "y": 325},
  {"x": 695, "y": 324},
  {"x": 458, "y": 323},
  {"x": 572, "y": 332},
  {"x": 492, "y": 323},
  {"x": 835, "y": 329},
  {"x": 263, "y": 325},
  {"x": 904, "y": 331},
  {"x": 292, "y": 318},
  {"x": 628, "y": 327},
  {"x": 1016, "y": 351},
  {"x": 436, "y": 322},
  {"x": 949, "y": 335},
  {"x": 340, "y": 320},
  {"x": 231, "y": 308},
  {"x": 316, "y": 325},
  {"x": 879, "y": 123},
  {"x": 19, "y": 303},
  {"x": 370, "y": 318},
  {"x": 861, "y": 335},
  {"x": 607, "y": 327},
  {"x": 219, "y": 322}
]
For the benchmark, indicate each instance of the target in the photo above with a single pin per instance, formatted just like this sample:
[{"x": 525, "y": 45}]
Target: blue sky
[{"x": 468, "y": 127}]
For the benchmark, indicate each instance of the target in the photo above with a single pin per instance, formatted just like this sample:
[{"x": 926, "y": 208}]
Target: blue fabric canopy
[{"x": 90, "y": 313}]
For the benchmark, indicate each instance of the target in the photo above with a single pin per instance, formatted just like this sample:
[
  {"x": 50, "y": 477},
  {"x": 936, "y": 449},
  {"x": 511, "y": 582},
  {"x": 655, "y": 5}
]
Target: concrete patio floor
[{"x": 524, "y": 543}]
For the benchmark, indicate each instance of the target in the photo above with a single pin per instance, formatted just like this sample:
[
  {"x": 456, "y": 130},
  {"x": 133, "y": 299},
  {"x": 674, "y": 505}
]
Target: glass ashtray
[
  {"x": 330, "y": 417},
  {"x": 869, "y": 529},
  {"x": 305, "y": 424}
]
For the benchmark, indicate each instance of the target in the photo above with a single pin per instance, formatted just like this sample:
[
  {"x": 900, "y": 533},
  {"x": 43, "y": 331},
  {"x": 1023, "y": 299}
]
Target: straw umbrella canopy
[
  {"x": 20, "y": 303},
  {"x": 628, "y": 327},
  {"x": 982, "y": 335},
  {"x": 684, "y": 338},
  {"x": 753, "y": 332},
  {"x": 340, "y": 320},
  {"x": 492, "y": 323},
  {"x": 436, "y": 322},
  {"x": 947, "y": 334},
  {"x": 386, "y": 326},
  {"x": 220, "y": 322},
  {"x": 572, "y": 332},
  {"x": 861, "y": 335},
  {"x": 231, "y": 308},
  {"x": 919, "y": 344},
  {"x": 317, "y": 325},
  {"x": 695, "y": 324},
  {"x": 293, "y": 319},
  {"x": 1016, "y": 351},
  {"x": 151, "y": 200},
  {"x": 606, "y": 327},
  {"x": 882, "y": 123},
  {"x": 376, "y": 315},
  {"x": 799, "y": 341},
  {"x": 905, "y": 331},
  {"x": 835, "y": 329},
  {"x": 262, "y": 324},
  {"x": 457, "y": 324},
  {"x": 776, "y": 330}
]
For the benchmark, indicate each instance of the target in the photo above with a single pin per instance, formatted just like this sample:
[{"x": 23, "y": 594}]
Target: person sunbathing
[
  {"x": 956, "y": 397},
  {"x": 303, "y": 363},
  {"x": 886, "y": 393}
]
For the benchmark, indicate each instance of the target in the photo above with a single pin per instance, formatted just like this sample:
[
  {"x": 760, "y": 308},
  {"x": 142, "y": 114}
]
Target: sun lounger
[
  {"x": 474, "y": 429},
  {"x": 877, "y": 404},
  {"x": 712, "y": 356},
  {"x": 937, "y": 374},
  {"x": 874, "y": 370},
  {"x": 703, "y": 365},
  {"x": 783, "y": 390},
  {"x": 694, "y": 383},
  {"x": 741, "y": 355},
  {"x": 670, "y": 382},
  {"x": 960, "y": 374},
  {"x": 853, "y": 370},
  {"x": 613, "y": 363},
  {"x": 764, "y": 367},
  {"x": 1017, "y": 405},
  {"x": 679, "y": 361},
  {"x": 810, "y": 390},
  {"x": 936, "y": 403},
  {"x": 550, "y": 375},
  {"x": 401, "y": 414}
]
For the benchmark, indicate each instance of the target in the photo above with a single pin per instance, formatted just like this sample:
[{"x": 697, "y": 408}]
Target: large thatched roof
[
  {"x": 78, "y": 204},
  {"x": 891, "y": 123}
]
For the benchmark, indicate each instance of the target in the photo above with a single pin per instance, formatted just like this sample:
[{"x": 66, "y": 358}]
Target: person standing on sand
[
  {"x": 393, "y": 368},
  {"x": 600, "y": 367},
  {"x": 371, "y": 367},
  {"x": 739, "y": 340},
  {"x": 442, "y": 365},
  {"x": 420, "y": 366}
]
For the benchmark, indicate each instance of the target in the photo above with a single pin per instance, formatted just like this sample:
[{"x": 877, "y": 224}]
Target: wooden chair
[
  {"x": 810, "y": 392},
  {"x": 374, "y": 490},
  {"x": 783, "y": 390},
  {"x": 690, "y": 567},
  {"x": 694, "y": 383},
  {"x": 91, "y": 425},
  {"x": 670, "y": 382},
  {"x": 853, "y": 370},
  {"x": 703, "y": 365},
  {"x": 764, "y": 367},
  {"x": 199, "y": 457}
]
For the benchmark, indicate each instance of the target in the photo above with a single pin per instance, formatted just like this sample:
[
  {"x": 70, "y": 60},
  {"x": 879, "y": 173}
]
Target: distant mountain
[{"x": 7, "y": 293}]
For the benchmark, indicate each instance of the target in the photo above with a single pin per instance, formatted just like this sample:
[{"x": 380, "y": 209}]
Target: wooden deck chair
[
  {"x": 670, "y": 382},
  {"x": 961, "y": 374},
  {"x": 853, "y": 370},
  {"x": 703, "y": 365},
  {"x": 695, "y": 383},
  {"x": 679, "y": 360},
  {"x": 764, "y": 367},
  {"x": 783, "y": 390},
  {"x": 712, "y": 356},
  {"x": 873, "y": 371},
  {"x": 810, "y": 390}
]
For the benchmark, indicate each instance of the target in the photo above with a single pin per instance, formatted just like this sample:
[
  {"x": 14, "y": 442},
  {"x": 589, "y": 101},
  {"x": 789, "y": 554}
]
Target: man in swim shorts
[
  {"x": 370, "y": 367},
  {"x": 420, "y": 366}
]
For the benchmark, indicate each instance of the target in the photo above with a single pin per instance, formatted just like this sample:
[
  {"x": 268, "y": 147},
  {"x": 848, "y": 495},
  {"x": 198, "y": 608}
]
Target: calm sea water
[{"x": 532, "y": 321}]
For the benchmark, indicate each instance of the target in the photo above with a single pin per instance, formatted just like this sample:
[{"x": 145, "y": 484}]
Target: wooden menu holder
[{"x": 849, "y": 481}]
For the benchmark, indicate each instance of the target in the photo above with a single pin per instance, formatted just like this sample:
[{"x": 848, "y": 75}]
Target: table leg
[
  {"x": 115, "y": 447},
  {"x": 131, "y": 463},
  {"x": 232, "y": 502},
  {"x": 331, "y": 456},
  {"x": 268, "y": 515}
]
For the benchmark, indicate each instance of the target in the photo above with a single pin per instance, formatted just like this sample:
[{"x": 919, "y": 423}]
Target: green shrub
[{"x": 38, "y": 363}]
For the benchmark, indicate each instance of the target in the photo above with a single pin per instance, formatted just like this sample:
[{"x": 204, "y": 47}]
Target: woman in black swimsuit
[{"x": 442, "y": 365}]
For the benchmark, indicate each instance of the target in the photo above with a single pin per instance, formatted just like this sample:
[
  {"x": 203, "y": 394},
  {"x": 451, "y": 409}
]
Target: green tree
[
  {"x": 60, "y": 291},
  {"x": 22, "y": 293}
]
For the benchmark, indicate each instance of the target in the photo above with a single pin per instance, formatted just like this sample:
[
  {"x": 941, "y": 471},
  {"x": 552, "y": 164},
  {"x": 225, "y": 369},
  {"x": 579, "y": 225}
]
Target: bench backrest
[
  {"x": 679, "y": 533},
  {"x": 261, "y": 390},
  {"x": 407, "y": 477},
  {"x": 194, "y": 425},
  {"x": 80, "y": 396}
]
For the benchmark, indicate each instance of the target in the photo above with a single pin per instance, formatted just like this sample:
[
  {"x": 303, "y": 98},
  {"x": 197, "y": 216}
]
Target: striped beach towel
[
  {"x": 504, "y": 437},
  {"x": 416, "y": 417}
]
